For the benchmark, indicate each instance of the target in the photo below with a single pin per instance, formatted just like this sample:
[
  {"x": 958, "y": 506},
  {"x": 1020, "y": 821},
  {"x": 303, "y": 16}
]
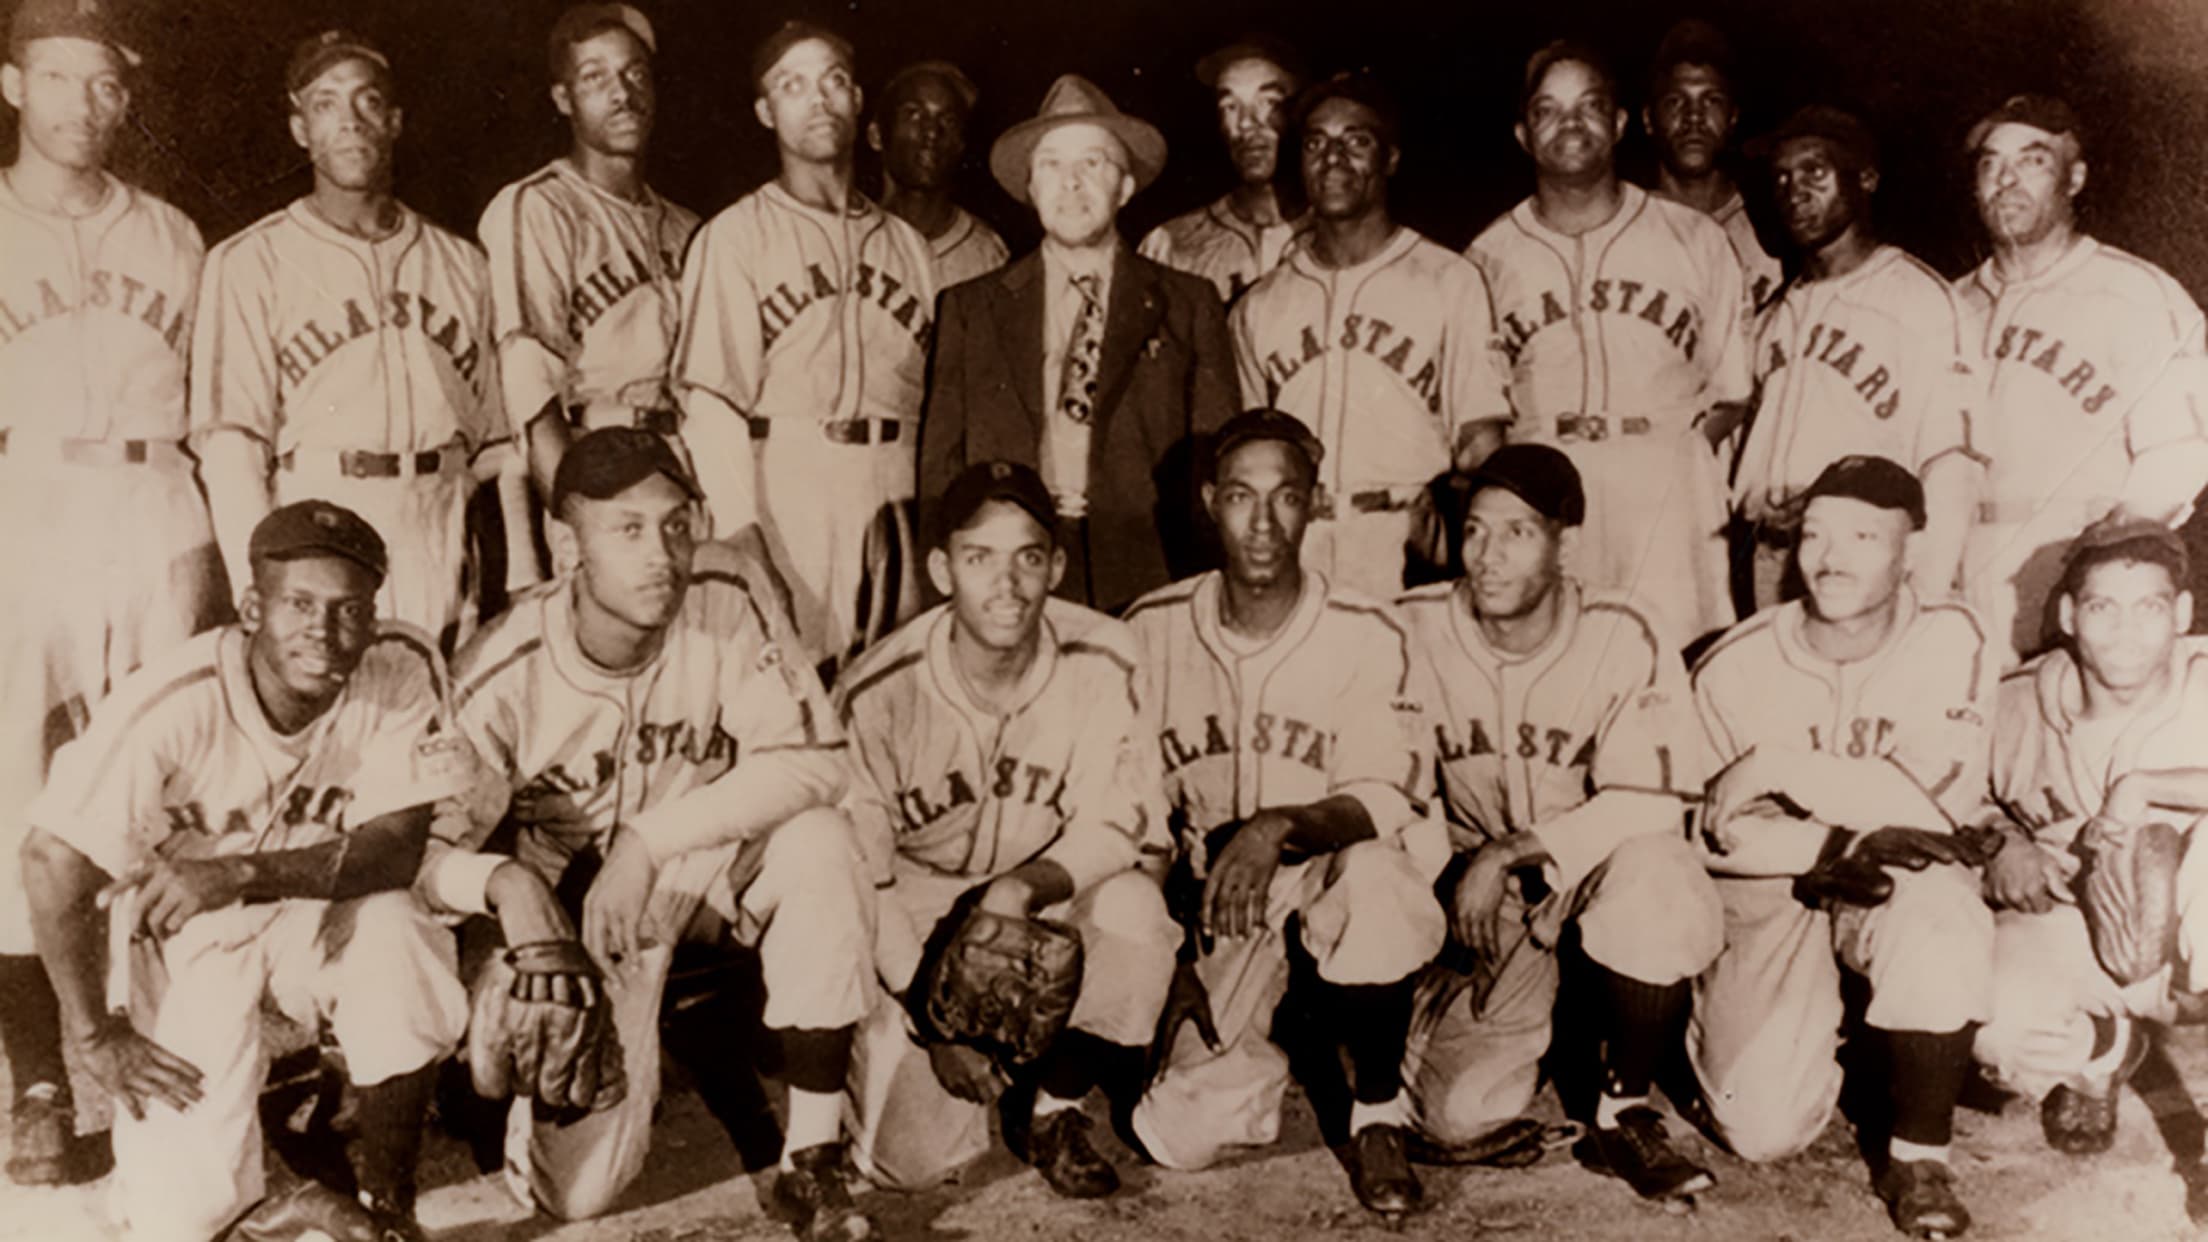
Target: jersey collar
[
  {"x": 566, "y": 169},
  {"x": 2082, "y": 250},
  {"x": 410, "y": 224},
  {"x": 1632, "y": 201},
  {"x": 1474, "y": 640},
  {"x": 1210, "y": 596},
  {"x": 1308, "y": 263},
  {"x": 234, "y": 669},
  {"x": 951, "y": 684},
  {"x": 1787, "y": 630},
  {"x": 118, "y": 198}
]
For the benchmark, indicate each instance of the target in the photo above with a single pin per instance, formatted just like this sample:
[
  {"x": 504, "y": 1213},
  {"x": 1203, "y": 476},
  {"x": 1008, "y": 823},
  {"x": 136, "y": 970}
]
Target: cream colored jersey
[
  {"x": 946, "y": 783},
  {"x": 1220, "y": 246},
  {"x": 967, "y": 249},
  {"x": 182, "y": 762},
  {"x": 1765, "y": 275},
  {"x": 1533, "y": 742},
  {"x": 1324, "y": 707},
  {"x": 1386, "y": 361},
  {"x": 1870, "y": 362},
  {"x": 585, "y": 295}
]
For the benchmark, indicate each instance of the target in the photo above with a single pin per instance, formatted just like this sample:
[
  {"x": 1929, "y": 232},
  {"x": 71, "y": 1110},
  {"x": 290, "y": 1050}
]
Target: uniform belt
[
  {"x": 838, "y": 431},
  {"x": 657, "y": 419},
  {"x": 1600, "y": 427},
  {"x": 366, "y": 464},
  {"x": 1369, "y": 500},
  {"x": 87, "y": 452}
]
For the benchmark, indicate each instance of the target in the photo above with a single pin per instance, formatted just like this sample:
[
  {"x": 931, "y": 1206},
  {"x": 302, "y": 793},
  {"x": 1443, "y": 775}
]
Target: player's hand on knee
[
  {"x": 613, "y": 910},
  {"x": 2024, "y": 877},
  {"x": 1187, "y": 1000},
  {"x": 1240, "y": 886},
  {"x": 968, "y": 1073},
  {"x": 138, "y": 1071},
  {"x": 1475, "y": 908},
  {"x": 171, "y": 891}
]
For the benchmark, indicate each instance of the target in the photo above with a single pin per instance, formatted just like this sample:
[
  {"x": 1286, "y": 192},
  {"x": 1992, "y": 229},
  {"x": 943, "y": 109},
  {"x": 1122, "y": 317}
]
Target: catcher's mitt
[
  {"x": 2129, "y": 897},
  {"x": 1002, "y": 984},
  {"x": 543, "y": 1028}
]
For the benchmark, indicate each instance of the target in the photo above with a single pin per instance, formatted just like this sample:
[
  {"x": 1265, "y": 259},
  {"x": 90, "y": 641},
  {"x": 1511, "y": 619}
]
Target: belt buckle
[
  {"x": 844, "y": 431},
  {"x": 1634, "y": 426},
  {"x": 658, "y": 421},
  {"x": 891, "y": 429},
  {"x": 1594, "y": 427},
  {"x": 134, "y": 451}
]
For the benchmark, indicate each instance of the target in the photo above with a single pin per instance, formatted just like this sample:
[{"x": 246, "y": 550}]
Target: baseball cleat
[
  {"x": 814, "y": 1198},
  {"x": 1920, "y": 1196},
  {"x": 1638, "y": 1151},
  {"x": 43, "y": 1125},
  {"x": 1059, "y": 1148},
  {"x": 2194, "y": 1174},
  {"x": 1380, "y": 1172},
  {"x": 2078, "y": 1124}
]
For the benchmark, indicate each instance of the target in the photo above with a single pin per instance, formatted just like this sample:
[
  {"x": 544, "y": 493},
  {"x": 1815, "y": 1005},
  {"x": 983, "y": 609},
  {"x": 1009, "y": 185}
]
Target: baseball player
[
  {"x": 1294, "y": 757},
  {"x": 1848, "y": 735},
  {"x": 1624, "y": 320},
  {"x": 1864, "y": 354},
  {"x": 105, "y": 553},
  {"x": 1236, "y": 240},
  {"x": 1378, "y": 339},
  {"x": 658, "y": 746},
  {"x": 806, "y": 317},
  {"x": 996, "y": 747},
  {"x": 920, "y": 133},
  {"x": 2092, "y": 361},
  {"x": 242, "y": 821},
  {"x": 344, "y": 352},
  {"x": 1690, "y": 116},
  {"x": 1567, "y": 746}
]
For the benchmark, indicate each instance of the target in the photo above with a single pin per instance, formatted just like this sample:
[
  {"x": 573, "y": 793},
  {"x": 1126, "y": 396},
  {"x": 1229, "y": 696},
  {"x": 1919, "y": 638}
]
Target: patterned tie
[{"x": 1077, "y": 385}]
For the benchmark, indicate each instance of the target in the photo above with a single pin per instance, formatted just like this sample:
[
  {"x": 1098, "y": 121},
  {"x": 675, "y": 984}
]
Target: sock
[
  {"x": 816, "y": 1117},
  {"x": 816, "y": 1060},
  {"x": 1644, "y": 1019},
  {"x": 1046, "y": 1104},
  {"x": 1902, "y": 1151},
  {"x": 1391, "y": 1112},
  {"x": 1374, "y": 1020},
  {"x": 717, "y": 1039},
  {"x": 30, "y": 1024},
  {"x": 1070, "y": 1067},
  {"x": 387, "y": 1142},
  {"x": 1927, "y": 1073},
  {"x": 1608, "y": 1107},
  {"x": 2112, "y": 1036}
]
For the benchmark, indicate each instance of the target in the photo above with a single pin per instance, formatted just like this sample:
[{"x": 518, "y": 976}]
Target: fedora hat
[{"x": 1074, "y": 99}]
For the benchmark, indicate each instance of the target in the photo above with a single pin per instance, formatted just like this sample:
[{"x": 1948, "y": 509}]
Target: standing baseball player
[
  {"x": 242, "y": 820},
  {"x": 2093, "y": 365},
  {"x": 1378, "y": 339},
  {"x": 1567, "y": 746},
  {"x": 997, "y": 749},
  {"x": 1691, "y": 112},
  {"x": 344, "y": 352},
  {"x": 806, "y": 317},
  {"x": 919, "y": 130},
  {"x": 1295, "y": 758},
  {"x": 659, "y": 747},
  {"x": 1848, "y": 734},
  {"x": 1864, "y": 354},
  {"x": 1624, "y": 318},
  {"x": 105, "y": 551},
  {"x": 1235, "y": 241}
]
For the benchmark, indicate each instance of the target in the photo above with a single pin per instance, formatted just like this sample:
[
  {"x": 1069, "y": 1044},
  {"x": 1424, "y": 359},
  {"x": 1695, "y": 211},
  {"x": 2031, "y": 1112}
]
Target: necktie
[{"x": 1077, "y": 385}]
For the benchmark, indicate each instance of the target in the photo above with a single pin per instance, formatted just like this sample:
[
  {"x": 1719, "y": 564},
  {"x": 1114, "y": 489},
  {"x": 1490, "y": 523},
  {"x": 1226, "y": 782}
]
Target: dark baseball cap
[
  {"x": 1876, "y": 481},
  {"x": 586, "y": 21},
  {"x": 96, "y": 20},
  {"x": 953, "y": 77},
  {"x": 791, "y": 34},
  {"x": 611, "y": 460},
  {"x": 1250, "y": 47},
  {"x": 1850, "y": 137},
  {"x": 2127, "y": 538},
  {"x": 314, "y": 56},
  {"x": 1691, "y": 41},
  {"x": 1362, "y": 88},
  {"x": 318, "y": 528},
  {"x": 2043, "y": 112},
  {"x": 1555, "y": 53},
  {"x": 1251, "y": 426},
  {"x": 1541, "y": 476},
  {"x": 983, "y": 482}
]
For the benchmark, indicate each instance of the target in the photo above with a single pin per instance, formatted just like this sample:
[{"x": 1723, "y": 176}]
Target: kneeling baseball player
[
  {"x": 999, "y": 782},
  {"x": 659, "y": 746},
  {"x": 1848, "y": 730},
  {"x": 1567, "y": 746},
  {"x": 2099, "y": 787},
  {"x": 243, "y": 820},
  {"x": 1294, "y": 754}
]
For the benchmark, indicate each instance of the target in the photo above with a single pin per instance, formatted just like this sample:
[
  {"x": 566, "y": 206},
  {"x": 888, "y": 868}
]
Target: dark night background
[{"x": 210, "y": 131}]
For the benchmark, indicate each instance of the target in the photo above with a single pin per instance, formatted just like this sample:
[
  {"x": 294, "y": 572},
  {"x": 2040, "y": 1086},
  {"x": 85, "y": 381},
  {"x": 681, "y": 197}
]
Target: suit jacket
[{"x": 1165, "y": 380}]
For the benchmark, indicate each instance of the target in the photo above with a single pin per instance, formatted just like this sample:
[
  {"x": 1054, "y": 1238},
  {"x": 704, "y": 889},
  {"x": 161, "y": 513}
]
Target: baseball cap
[
  {"x": 1555, "y": 53},
  {"x": 611, "y": 460},
  {"x": 582, "y": 21},
  {"x": 986, "y": 481},
  {"x": 2045, "y": 112},
  {"x": 1848, "y": 136},
  {"x": 1691, "y": 41},
  {"x": 314, "y": 56},
  {"x": 791, "y": 34},
  {"x": 952, "y": 75},
  {"x": 1876, "y": 481},
  {"x": 1362, "y": 88},
  {"x": 1250, "y": 47},
  {"x": 318, "y": 528},
  {"x": 1538, "y": 474},
  {"x": 96, "y": 20},
  {"x": 1264, "y": 424},
  {"x": 2133, "y": 535}
]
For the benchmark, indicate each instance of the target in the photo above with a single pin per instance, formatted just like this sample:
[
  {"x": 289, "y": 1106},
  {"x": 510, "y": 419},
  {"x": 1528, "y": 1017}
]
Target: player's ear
[
  {"x": 11, "y": 84},
  {"x": 567, "y": 548},
  {"x": 2066, "y": 615},
  {"x": 398, "y": 122},
  {"x": 1524, "y": 144},
  {"x": 1126, "y": 187},
  {"x": 1567, "y": 551},
  {"x": 1648, "y": 120},
  {"x": 1395, "y": 158},
  {"x": 874, "y": 136},
  {"x": 298, "y": 126},
  {"x": 1868, "y": 179},
  {"x": 2184, "y": 612},
  {"x": 1058, "y": 567},
  {"x": 251, "y": 609},
  {"x": 765, "y": 114},
  {"x": 2077, "y": 177},
  {"x": 939, "y": 571},
  {"x": 1210, "y": 490},
  {"x": 1619, "y": 122},
  {"x": 563, "y": 101}
]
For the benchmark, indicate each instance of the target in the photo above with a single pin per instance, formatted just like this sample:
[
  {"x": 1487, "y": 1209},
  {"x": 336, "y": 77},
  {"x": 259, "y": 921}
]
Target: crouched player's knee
[
  {"x": 1129, "y": 906},
  {"x": 395, "y": 1002},
  {"x": 1377, "y": 920},
  {"x": 1655, "y": 914},
  {"x": 818, "y": 844}
]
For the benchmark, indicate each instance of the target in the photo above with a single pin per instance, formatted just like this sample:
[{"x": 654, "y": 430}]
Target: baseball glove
[
  {"x": 543, "y": 1028},
  {"x": 1858, "y": 876},
  {"x": 2129, "y": 897},
  {"x": 1002, "y": 984}
]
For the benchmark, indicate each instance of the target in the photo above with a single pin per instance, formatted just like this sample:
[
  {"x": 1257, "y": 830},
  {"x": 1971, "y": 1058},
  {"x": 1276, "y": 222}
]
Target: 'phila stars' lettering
[
  {"x": 1009, "y": 780},
  {"x": 1292, "y": 739},
  {"x": 652, "y": 743},
  {"x": 1831, "y": 346},
  {"x": 2034, "y": 348},
  {"x": 1554, "y": 747},
  {"x": 1369, "y": 335},
  {"x": 608, "y": 285},
  {"x": 1680, "y": 324},
  {"x": 878, "y": 290},
  {"x": 116, "y": 292},
  {"x": 303, "y": 805},
  {"x": 313, "y": 344}
]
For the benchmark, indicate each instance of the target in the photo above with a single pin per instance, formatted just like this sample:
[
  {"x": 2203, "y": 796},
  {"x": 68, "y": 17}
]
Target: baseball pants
[
  {"x": 1655, "y": 527},
  {"x": 1367, "y": 916},
  {"x": 911, "y": 1133},
  {"x": 423, "y": 521},
  {"x": 378, "y": 970},
  {"x": 1649, "y": 912},
  {"x": 1764, "y": 1036},
  {"x": 798, "y": 894},
  {"x": 829, "y": 512}
]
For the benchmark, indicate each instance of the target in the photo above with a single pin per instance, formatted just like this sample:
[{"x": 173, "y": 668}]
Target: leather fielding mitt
[
  {"x": 1002, "y": 984},
  {"x": 1856, "y": 868},
  {"x": 543, "y": 1028},
  {"x": 2129, "y": 897}
]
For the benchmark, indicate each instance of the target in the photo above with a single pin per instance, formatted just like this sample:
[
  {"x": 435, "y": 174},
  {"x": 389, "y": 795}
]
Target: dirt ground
[{"x": 692, "y": 1192}]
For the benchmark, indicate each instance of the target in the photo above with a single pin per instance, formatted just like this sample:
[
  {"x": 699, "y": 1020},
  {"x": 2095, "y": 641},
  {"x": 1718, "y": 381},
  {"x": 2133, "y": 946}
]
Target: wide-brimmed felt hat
[{"x": 1074, "y": 99}]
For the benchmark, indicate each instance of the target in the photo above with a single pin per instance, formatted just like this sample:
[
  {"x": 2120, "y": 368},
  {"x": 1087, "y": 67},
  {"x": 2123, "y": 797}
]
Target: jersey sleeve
[
  {"x": 1725, "y": 292},
  {"x": 528, "y": 241},
  {"x": 1383, "y": 754},
  {"x": 107, "y": 793},
  {"x": 235, "y": 382},
  {"x": 1946, "y": 750},
  {"x": 2174, "y": 408},
  {"x": 1257, "y": 391},
  {"x": 720, "y": 347},
  {"x": 1478, "y": 377},
  {"x": 868, "y": 801},
  {"x": 1157, "y": 246},
  {"x": 1942, "y": 377}
]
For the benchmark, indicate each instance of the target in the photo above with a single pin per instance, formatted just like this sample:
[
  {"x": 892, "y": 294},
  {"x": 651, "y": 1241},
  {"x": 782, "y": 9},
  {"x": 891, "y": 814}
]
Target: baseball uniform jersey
[
  {"x": 967, "y": 249},
  {"x": 1618, "y": 340},
  {"x": 1765, "y": 275},
  {"x": 1220, "y": 246},
  {"x": 813, "y": 326},
  {"x": 1388, "y": 362},
  {"x": 363, "y": 372},
  {"x": 2086, "y": 368},
  {"x": 105, "y": 553}
]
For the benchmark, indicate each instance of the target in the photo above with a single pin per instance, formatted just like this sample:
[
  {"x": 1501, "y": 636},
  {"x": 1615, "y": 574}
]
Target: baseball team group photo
[{"x": 636, "y": 621}]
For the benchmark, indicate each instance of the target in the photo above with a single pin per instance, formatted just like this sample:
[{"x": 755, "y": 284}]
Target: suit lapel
[
  {"x": 1019, "y": 308},
  {"x": 1138, "y": 304}
]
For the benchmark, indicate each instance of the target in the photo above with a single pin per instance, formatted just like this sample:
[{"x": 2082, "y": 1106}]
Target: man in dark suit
[{"x": 1097, "y": 367}]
